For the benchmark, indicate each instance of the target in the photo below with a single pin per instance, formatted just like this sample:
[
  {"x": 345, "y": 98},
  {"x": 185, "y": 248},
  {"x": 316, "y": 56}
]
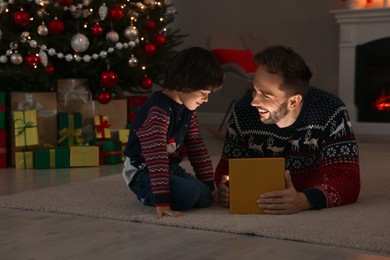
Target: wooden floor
[{"x": 36, "y": 235}]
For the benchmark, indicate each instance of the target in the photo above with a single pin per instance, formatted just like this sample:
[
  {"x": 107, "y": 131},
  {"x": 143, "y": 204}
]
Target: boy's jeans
[{"x": 186, "y": 191}]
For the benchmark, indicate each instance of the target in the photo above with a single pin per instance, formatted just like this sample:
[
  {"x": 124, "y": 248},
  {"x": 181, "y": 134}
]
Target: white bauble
[
  {"x": 131, "y": 33},
  {"x": 16, "y": 58},
  {"x": 112, "y": 36},
  {"x": 42, "y": 30},
  {"x": 79, "y": 42}
]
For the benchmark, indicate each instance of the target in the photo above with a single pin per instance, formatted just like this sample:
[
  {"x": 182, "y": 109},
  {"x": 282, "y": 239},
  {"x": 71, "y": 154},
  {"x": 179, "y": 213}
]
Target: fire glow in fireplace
[{"x": 372, "y": 81}]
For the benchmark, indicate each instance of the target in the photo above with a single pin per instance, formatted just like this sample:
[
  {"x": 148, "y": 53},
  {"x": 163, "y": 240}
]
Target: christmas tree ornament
[
  {"x": 159, "y": 40},
  {"x": 97, "y": 30},
  {"x": 133, "y": 62},
  {"x": 42, "y": 2},
  {"x": 65, "y": 2},
  {"x": 43, "y": 58},
  {"x": 32, "y": 60},
  {"x": 103, "y": 10},
  {"x": 104, "y": 97},
  {"x": 146, "y": 82},
  {"x": 149, "y": 49},
  {"x": 86, "y": 58},
  {"x": 16, "y": 58},
  {"x": 56, "y": 27},
  {"x": 42, "y": 30},
  {"x": 3, "y": 59},
  {"x": 116, "y": 13},
  {"x": 150, "y": 24},
  {"x": 68, "y": 57},
  {"x": 33, "y": 44},
  {"x": 131, "y": 32},
  {"x": 49, "y": 70},
  {"x": 108, "y": 79},
  {"x": 24, "y": 37},
  {"x": 112, "y": 36},
  {"x": 21, "y": 18},
  {"x": 79, "y": 42}
]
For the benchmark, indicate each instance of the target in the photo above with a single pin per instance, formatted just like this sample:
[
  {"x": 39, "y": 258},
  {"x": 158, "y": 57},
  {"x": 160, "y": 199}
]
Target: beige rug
[{"x": 363, "y": 225}]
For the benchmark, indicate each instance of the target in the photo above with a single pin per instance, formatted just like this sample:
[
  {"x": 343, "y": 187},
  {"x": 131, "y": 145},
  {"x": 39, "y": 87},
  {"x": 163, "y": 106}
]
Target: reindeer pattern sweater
[
  {"x": 160, "y": 131},
  {"x": 320, "y": 148}
]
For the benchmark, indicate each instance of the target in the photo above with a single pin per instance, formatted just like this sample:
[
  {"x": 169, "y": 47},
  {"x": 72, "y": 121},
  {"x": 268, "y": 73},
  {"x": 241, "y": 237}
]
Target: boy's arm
[
  {"x": 153, "y": 140},
  {"x": 198, "y": 155}
]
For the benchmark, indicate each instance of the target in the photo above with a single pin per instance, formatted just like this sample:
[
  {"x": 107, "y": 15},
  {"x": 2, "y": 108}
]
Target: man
[{"x": 310, "y": 128}]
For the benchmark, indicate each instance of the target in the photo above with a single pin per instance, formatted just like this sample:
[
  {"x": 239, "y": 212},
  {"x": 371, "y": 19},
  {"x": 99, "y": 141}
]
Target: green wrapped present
[
  {"x": 110, "y": 152},
  {"x": 69, "y": 129},
  {"x": 51, "y": 158}
]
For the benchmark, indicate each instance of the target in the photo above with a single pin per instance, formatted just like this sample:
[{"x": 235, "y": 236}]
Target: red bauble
[
  {"x": 104, "y": 97},
  {"x": 116, "y": 13},
  {"x": 108, "y": 78},
  {"x": 32, "y": 60},
  {"x": 65, "y": 2},
  {"x": 150, "y": 24},
  {"x": 159, "y": 40},
  {"x": 97, "y": 30},
  {"x": 56, "y": 27},
  {"x": 21, "y": 18},
  {"x": 49, "y": 70},
  {"x": 146, "y": 83},
  {"x": 149, "y": 49}
]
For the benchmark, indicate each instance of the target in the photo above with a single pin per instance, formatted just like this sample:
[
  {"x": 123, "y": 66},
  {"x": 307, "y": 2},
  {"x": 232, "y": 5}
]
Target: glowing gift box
[{"x": 26, "y": 129}]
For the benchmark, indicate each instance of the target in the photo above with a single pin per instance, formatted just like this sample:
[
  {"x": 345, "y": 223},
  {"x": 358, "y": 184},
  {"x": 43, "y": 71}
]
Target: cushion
[{"x": 244, "y": 58}]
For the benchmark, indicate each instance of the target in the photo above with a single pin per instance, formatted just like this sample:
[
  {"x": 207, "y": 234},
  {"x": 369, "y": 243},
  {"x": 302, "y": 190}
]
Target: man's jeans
[{"x": 186, "y": 191}]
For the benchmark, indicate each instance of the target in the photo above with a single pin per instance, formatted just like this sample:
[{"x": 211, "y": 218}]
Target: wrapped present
[
  {"x": 25, "y": 128},
  {"x": 69, "y": 129},
  {"x": 83, "y": 156},
  {"x": 3, "y": 108},
  {"x": 116, "y": 112},
  {"x": 73, "y": 90},
  {"x": 24, "y": 160},
  {"x": 133, "y": 105},
  {"x": 45, "y": 103},
  {"x": 102, "y": 127},
  {"x": 51, "y": 158},
  {"x": 3, "y": 148},
  {"x": 109, "y": 152}
]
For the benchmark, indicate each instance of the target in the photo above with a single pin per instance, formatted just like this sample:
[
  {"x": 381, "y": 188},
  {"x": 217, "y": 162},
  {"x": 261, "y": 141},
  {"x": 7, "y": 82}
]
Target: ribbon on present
[
  {"x": 103, "y": 124},
  {"x": 23, "y": 129},
  {"x": 73, "y": 135},
  {"x": 52, "y": 158},
  {"x": 104, "y": 155}
]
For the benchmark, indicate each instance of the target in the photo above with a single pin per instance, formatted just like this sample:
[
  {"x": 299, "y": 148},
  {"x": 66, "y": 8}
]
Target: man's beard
[{"x": 275, "y": 117}]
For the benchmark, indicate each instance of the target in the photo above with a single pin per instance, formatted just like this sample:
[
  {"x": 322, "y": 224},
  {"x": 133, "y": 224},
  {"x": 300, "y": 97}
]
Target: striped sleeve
[
  {"x": 153, "y": 139},
  {"x": 198, "y": 155}
]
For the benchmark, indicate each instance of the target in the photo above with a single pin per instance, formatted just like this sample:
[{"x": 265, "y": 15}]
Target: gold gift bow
[{"x": 72, "y": 135}]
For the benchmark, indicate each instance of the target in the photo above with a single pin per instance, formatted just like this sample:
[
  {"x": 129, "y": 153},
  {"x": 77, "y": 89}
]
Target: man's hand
[
  {"x": 286, "y": 201},
  {"x": 167, "y": 211},
  {"x": 223, "y": 191}
]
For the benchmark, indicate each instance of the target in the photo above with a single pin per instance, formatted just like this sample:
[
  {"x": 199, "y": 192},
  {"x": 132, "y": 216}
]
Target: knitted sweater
[
  {"x": 160, "y": 131},
  {"x": 320, "y": 148}
]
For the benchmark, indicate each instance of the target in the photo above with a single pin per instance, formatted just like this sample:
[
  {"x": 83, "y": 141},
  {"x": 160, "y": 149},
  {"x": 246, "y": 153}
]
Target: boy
[{"x": 164, "y": 125}]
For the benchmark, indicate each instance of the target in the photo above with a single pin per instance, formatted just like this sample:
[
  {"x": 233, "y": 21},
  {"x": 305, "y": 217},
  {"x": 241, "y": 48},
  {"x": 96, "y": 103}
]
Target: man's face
[{"x": 270, "y": 101}]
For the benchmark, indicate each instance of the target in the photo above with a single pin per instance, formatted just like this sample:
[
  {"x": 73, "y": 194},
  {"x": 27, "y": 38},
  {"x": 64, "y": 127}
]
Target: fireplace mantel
[{"x": 359, "y": 27}]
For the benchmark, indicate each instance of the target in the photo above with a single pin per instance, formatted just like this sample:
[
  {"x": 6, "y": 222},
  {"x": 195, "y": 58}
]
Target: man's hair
[
  {"x": 289, "y": 64},
  {"x": 193, "y": 69}
]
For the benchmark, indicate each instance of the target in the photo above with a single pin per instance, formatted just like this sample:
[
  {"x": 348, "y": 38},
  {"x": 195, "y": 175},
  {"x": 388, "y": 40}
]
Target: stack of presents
[{"x": 63, "y": 129}]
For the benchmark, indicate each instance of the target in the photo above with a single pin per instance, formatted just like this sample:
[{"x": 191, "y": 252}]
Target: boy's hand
[
  {"x": 167, "y": 211},
  {"x": 223, "y": 191}
]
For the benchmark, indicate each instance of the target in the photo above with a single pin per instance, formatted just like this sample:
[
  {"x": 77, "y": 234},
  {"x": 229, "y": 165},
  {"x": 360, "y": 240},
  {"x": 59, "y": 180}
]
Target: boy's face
[{"x": 193, "y": 100}]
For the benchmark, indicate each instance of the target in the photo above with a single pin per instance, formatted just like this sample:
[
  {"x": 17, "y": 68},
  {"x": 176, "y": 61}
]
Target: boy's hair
[
  {"x": 193, "y": 69},
  {"x": 289, "y": 64}
]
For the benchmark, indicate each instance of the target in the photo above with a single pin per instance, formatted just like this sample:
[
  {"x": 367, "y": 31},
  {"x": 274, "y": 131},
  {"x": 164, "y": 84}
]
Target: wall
[{"x": 305, "y": 25}]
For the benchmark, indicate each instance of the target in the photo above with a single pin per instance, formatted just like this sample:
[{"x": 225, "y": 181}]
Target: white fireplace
[{"x": 359, "y": 27}]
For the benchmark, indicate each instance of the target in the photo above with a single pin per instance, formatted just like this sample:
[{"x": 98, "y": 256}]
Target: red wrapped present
[{"x": 102, "y": 127}]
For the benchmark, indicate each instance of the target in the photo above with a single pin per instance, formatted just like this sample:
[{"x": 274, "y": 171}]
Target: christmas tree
[{"x": 113, "y": 44}]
